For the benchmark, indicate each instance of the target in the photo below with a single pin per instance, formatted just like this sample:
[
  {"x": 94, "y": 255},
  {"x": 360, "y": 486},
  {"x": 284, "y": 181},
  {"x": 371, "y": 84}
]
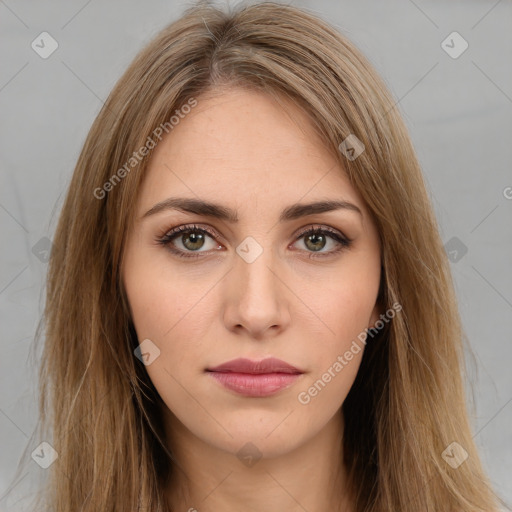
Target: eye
[
  {"x": 193, "y": 238},
  {"x": 316, "y": 239}
]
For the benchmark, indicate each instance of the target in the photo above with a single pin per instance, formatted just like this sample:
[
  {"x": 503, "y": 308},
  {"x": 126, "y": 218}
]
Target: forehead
[{"x": 238, "y": 144}]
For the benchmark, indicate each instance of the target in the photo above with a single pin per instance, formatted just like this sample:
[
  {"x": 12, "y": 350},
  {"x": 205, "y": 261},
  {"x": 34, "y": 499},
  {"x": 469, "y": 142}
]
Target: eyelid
[
  {"x": 214, "y": 233},
  {"x": 192, "y": 227},
  {"x": 321, "y": 227}
]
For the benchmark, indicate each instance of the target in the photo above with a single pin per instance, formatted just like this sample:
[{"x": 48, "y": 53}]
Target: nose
[{"x": 256, "y": 298}]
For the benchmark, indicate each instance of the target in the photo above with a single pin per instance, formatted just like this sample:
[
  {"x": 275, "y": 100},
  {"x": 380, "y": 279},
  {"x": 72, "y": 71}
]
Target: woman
[{"x": 249, "y": 306}]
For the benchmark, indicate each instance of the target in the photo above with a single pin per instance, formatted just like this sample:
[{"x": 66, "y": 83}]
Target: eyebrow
[{"x": 208, "y": 209}]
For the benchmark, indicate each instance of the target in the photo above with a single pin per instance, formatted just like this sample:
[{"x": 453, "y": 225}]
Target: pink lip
[{"x": 255, "y": 378}]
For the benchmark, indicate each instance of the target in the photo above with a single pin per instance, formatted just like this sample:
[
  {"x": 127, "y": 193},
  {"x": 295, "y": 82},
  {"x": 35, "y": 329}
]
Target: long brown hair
[{"x": 407, "y": 405}]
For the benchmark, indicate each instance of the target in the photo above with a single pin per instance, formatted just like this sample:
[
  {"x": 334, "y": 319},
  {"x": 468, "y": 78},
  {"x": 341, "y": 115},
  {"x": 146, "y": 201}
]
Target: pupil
[
  {"x": 197, "y": 240},
  {"x": 316, "y": 237}
]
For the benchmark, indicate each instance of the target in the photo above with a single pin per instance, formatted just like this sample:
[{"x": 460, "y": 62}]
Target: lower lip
[{"x": 256, "y": 385}]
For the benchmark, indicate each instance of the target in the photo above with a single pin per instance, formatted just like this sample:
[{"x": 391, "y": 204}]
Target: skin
[{"x": 241, "y": 149}]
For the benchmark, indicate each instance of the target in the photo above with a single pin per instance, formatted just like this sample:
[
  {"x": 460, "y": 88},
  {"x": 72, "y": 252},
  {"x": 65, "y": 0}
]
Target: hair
[{"x": 407, "y": 405}]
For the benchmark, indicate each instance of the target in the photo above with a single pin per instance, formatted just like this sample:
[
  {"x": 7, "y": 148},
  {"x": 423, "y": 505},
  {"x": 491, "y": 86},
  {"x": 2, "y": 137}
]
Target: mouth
[{"x": 255, "y": 378}]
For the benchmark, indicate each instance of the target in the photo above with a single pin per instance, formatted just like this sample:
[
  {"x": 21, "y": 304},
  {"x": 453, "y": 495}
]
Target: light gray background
[{"x": 458, "y": 110}]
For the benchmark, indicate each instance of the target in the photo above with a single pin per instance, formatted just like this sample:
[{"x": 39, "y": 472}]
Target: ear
[
  {"x": 376, "y": 312},
  {"x": 378, "y": 309}
]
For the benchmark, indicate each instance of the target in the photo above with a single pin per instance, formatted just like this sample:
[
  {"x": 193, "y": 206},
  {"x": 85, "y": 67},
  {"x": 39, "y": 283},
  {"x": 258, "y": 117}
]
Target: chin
[{"x": 265, "y": 434}]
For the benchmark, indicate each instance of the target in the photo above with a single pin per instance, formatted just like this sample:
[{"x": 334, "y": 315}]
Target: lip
[
  {"x": 269, "y": 365},
  {"x": 255, "y": 378}
]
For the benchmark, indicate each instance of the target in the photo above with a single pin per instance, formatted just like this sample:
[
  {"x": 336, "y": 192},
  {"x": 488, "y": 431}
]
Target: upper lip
[{"x": 269, "y": 365}]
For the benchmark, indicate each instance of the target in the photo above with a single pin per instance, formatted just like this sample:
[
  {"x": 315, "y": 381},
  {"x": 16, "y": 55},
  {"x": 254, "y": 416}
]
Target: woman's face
[{"x": 257, "y": 287}]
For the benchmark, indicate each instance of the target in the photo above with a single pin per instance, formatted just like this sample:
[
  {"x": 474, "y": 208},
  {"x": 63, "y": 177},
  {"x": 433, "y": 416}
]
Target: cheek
[
  {"x": 166, "y": 303},
  {"x": 345, "y": 305},
  {"x": 174, "y": 312},
  {"x": 337, "y": 355}
]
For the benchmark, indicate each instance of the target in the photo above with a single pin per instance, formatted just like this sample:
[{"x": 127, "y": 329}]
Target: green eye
[{"x": 193, "y": 238}]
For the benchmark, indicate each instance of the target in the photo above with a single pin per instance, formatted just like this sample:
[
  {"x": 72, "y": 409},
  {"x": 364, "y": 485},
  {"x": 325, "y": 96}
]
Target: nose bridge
[
  {"x": 258, "y": 276},
  {"x": 256, "y": 296},
  {"x": 254, "y": 268}
]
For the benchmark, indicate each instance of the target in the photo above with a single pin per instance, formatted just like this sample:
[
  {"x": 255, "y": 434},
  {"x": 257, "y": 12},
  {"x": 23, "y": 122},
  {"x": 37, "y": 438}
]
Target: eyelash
[{"x": 166, "y": 240}]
